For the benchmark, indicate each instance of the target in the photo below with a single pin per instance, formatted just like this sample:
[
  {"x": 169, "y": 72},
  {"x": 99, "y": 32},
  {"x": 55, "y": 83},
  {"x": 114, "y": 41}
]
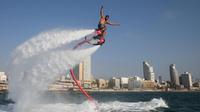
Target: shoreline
[
  {"x": 118, "y": 91},
  {"x": 135, "y": 91}
]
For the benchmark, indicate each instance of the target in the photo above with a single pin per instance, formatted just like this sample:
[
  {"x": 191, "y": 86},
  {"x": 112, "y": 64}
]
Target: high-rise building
[
  {"x": 87, "y": 75},
  {"x": 83, "y": 70},
  {"x": 186, "y": 80},
  {"x": 148, "y": 71},
  {"x": 160, "y": 79},
  {"x": 78, "y": 72},
  {"x": 174, "y": 76},
  {"x": 124, "y": 82},
  {"x": 135, "y": 83},
  {"x": 114, "y": 83}
]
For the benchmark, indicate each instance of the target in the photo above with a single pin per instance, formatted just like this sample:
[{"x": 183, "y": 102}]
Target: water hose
[{"x": 79, "y": 86}]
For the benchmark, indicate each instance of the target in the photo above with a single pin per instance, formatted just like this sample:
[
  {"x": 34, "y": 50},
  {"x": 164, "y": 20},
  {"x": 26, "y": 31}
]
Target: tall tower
[
  {"x": 87, "y": 75},
  {"x": 160, "y": 79},
  {"x": 174, "y": 76},
  {"x": 78, "y": 72},
  {"x": 83, "y": 70},
  {"x": 148, "y": 71}
]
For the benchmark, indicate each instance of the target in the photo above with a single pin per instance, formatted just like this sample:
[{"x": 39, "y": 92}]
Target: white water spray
[{"x": 37, "y": 62}]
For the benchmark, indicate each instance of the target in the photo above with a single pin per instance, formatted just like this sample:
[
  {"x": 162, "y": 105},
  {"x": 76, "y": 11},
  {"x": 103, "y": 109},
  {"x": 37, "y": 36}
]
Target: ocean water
[{"x": 113, "y": 102}]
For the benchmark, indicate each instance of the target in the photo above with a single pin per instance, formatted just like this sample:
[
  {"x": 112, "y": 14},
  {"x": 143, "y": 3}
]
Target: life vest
[{"x": 102, "y": 20}]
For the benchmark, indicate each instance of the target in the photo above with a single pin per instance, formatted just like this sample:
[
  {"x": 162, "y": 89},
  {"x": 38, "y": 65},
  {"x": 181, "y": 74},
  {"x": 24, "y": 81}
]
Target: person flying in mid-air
[
  {"x": 100, "y": 31},
  {"x": 104, "y": 20}
]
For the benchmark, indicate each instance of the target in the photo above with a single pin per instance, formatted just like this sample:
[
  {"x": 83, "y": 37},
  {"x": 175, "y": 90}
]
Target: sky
[{"x": 160, "y": 32}]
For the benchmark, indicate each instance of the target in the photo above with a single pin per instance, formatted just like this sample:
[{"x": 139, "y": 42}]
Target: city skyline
[
  {"x": 83, "y": 73},
  {"x": 160, "y": 32}
]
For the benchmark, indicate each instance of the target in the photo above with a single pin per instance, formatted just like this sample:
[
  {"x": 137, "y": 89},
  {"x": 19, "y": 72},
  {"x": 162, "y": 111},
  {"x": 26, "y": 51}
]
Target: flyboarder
[
  {"x": 100, "y": 31},
  {"x": 104, "y": 20}
]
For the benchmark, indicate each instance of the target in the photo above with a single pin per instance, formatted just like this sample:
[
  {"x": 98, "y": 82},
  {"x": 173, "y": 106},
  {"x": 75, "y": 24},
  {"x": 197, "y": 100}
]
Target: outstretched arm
[
  {"x": 113, "y": 24},
  {"x": 101, "y": 11}
]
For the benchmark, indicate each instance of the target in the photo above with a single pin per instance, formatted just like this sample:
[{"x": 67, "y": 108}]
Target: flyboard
[
  {"x": 92, "y": 39},
  {"x": 90, "y": 99}
]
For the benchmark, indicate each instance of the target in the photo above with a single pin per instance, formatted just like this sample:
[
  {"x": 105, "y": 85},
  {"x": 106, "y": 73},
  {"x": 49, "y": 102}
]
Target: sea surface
[{"x": 113, "y": 102}]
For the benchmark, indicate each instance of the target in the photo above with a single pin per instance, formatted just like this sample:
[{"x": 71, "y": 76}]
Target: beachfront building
[
  {"x": 3, "y": 81},
  {"x": 148, "y": 84},
  {"x": 114, "y": 83},
  {"x": 148, "y": 71},
  {"x": 94, "y": 84},
  {"x": 102, "y": 84},
  {"x": 186, "y": 80},
  {"x": 87, "y": 84},
  {"x": 3, "y": 77},
  {"x": 174, "y": 76},
  {"x": 62, "y": 84},
  {"x": 124, "y": 82},
  {"x": 135, "y": 83},
  {"x": 196, "y": 84}
]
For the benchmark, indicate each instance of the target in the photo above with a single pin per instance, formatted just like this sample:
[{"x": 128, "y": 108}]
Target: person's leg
[
  {"x": 96, "y": 37},
  {"x": 101, "y": 41},
  {"x": 82, "y": 42}
]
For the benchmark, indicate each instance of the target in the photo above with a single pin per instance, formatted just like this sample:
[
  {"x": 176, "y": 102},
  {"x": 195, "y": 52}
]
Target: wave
[
  {"x": 133, "y": 106},
  {"x": 115, "y": 106}
]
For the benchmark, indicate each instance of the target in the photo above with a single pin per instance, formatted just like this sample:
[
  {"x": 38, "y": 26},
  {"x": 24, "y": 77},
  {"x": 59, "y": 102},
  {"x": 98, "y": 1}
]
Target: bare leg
[{"x": 81, "y": 43}]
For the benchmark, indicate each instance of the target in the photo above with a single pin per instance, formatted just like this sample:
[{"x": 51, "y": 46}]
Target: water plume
[{"x": 37, "y": 63}]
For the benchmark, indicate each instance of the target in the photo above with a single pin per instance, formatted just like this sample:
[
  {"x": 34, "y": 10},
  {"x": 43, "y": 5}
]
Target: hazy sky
[{"x": 160, "y": 32}]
